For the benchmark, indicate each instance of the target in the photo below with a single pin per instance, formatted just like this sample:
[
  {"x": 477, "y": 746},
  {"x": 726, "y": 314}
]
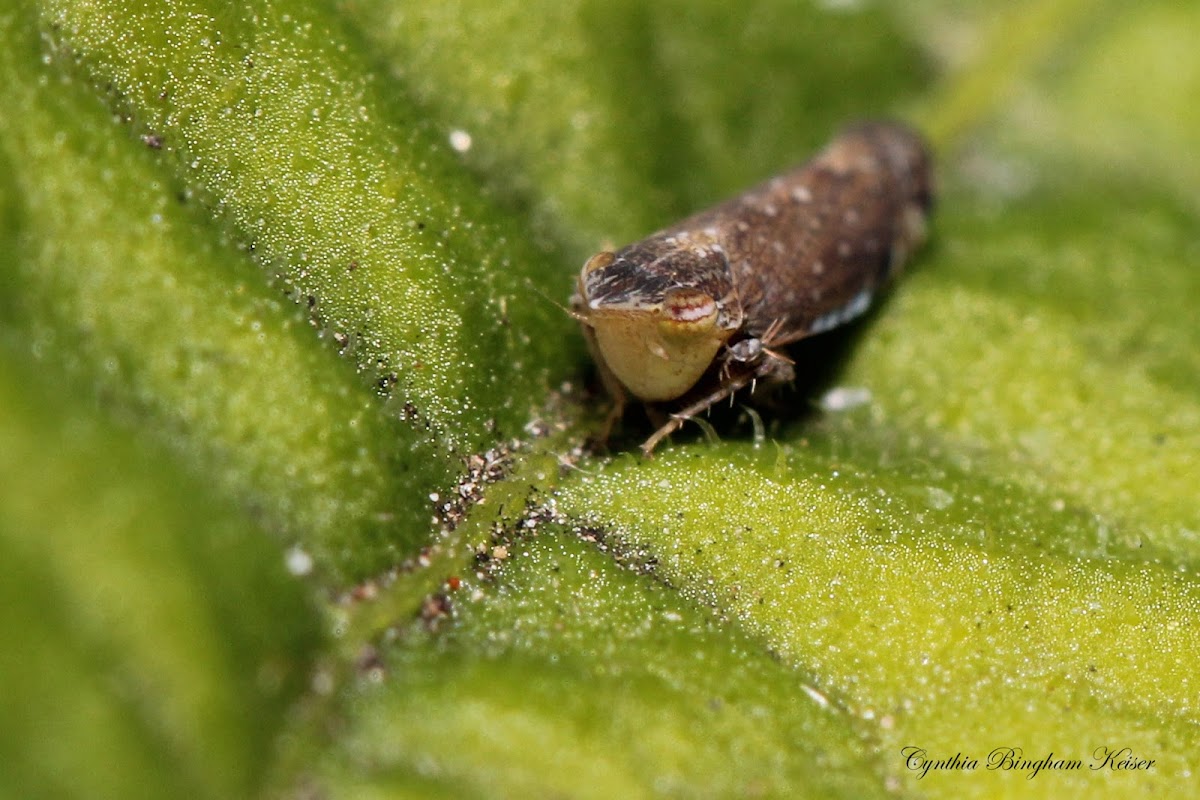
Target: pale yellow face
[{"x": 657, "y": 350}]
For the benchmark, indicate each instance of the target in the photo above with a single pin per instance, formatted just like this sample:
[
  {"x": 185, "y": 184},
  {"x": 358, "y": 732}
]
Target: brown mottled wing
[
  {"x": 809, "y": 249},
  {"x": 643, "y": 272}
]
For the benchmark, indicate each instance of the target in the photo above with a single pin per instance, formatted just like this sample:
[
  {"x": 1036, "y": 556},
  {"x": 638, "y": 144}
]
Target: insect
[{"x": 696, "y": 312}]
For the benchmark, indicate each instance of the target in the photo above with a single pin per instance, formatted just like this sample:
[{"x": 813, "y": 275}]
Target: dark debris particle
[
  {"x": 386, "y": 383},
  {"x": 537, "y": 428},
  {"x": 450, "y": 509},
  {"x": 153, "y": 141},
  {"x": 368, "y": 590},
  {"x": 435, "y": 609},
  {"x": 481, "y": 470},
  {"x": 368, "y": 660}
]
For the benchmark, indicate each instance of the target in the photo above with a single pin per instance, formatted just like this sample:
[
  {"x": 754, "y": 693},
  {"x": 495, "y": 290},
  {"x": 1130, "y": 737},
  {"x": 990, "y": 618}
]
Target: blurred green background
[{"x": 275, "y": 277}]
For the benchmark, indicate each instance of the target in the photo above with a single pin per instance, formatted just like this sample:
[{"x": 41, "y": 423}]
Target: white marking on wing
[{"x": 840, "y": 316}]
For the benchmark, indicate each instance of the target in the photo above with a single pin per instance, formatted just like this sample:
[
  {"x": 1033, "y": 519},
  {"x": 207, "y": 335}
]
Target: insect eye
[
  {"x": 687, "y": 310},
  {"x": 598, "y": 261},
  {"x": 746, "y": 351}
]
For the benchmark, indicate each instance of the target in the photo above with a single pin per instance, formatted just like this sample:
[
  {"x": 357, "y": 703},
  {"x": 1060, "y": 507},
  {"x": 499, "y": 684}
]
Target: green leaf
[
  {"x": 154, "y": 643},
  {"x": 607, "y": 118},
  {"x": 572, "y": 676},
  {"x": 281, "y": 283},
  {"x": 343, "y": 190}
]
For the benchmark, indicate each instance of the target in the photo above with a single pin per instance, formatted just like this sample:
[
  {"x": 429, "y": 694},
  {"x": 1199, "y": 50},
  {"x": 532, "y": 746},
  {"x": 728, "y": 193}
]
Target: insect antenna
[
  {"x": 778, "y": 356},
  {"x": 570, "y": 312}
]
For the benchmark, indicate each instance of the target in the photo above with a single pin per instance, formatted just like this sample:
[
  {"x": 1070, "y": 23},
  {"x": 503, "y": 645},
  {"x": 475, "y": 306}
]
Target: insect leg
[
  {"x": 726, "y": 389},
  {"x": 774, "y": 368},
  {"x": 615, "y": 389},
  {"x": 619, "y": 399}
]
